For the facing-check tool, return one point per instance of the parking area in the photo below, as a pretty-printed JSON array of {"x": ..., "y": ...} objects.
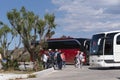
[{"x": 86, "y": 73}]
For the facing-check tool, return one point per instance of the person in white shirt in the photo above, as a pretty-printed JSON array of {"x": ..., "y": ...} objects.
[
  {"x": 79, "y": 58},
  {"x": 44, "y": 59}
]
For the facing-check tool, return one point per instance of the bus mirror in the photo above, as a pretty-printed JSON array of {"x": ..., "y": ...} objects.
[{"x": 99, "y": 41}]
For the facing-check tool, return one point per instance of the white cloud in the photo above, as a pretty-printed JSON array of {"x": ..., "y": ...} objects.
[
  {"x": 89, "y": 15},
  {"x": 111, "y": 2}
]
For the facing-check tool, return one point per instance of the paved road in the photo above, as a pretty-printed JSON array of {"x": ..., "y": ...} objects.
[{"x": 72, "y": 73}]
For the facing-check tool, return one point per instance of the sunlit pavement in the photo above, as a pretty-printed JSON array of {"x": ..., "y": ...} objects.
[
  {"x": 72, "y": 73},
  {"x": 84, "y": 73}
]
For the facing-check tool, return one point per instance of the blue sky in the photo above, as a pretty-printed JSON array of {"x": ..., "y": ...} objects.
[{"x": 75, "y": 18}]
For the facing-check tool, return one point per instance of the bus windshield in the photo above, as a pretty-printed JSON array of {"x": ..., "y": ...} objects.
[{"x": 95, "y": 48}]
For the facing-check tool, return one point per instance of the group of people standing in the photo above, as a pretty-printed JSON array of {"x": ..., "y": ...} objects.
[{"x": 55, "y": 59}]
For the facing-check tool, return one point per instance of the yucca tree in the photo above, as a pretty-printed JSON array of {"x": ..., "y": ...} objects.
[
  {"x": 50, "y": 24},
  {"x": 46, "y": 28},
  {"x": 24, "y": 23},
  {"x": 4, "y": 33},
  {"x": 5, "y": 41},
  {"x": 30, "y": 27}
]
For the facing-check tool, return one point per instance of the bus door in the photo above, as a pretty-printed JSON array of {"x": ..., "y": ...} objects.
[{"x": 116, "y": 47}]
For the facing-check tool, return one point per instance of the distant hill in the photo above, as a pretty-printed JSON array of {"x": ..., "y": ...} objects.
[{"x": 20, "y": 54}]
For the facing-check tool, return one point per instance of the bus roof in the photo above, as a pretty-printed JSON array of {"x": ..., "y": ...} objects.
[
  {"x": 109, "y": 32},
  {"x": 66, "y": 39}
]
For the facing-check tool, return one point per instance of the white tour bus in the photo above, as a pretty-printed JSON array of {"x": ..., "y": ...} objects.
[{"x": 105, "y": 49}]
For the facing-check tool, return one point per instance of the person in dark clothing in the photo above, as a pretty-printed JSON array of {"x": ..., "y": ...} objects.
[
  {"x": 59, "y": 60},
  {"x": 51, "y": 58}
]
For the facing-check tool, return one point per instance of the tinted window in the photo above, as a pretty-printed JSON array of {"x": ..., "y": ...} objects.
[
  {"x": 87, "y": 45},
  {"x": 109, "y": 44},
  {"x": 118, "y": 40},
  {"x": 63, "y": 44},
  {"x": 96, "y": 49}
]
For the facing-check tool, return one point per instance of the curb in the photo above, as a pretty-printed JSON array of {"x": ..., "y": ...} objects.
[
  {"x": 43, "y": 72},
  {"x": 13, "y": 76}
]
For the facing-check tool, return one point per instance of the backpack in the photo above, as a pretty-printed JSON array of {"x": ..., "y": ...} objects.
[{"x": 59, "y": 57}]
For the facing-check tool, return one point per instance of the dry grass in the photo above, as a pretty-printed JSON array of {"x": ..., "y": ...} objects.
[{"x": 31, "y": 76}]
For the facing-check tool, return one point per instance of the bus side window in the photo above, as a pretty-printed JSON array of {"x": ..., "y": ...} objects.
[
  {"x": 118, "y": 40},
  {"x": 107, "y": 46}
]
